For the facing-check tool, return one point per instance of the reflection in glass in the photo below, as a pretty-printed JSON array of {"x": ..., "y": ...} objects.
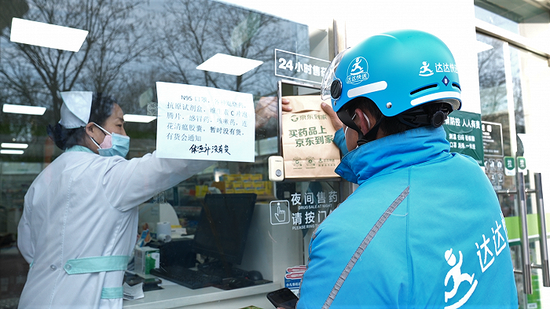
[
  {"x": 129, "y": 47},
  {"x": 503, "y": 74}
]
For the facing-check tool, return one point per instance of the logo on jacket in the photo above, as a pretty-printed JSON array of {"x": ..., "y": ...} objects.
[
  {"x": 358, "y": 71},
  {"x": 490, "y": 251},
  {"x": 458, "y": 277}
]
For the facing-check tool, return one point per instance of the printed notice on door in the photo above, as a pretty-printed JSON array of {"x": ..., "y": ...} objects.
[{"x": 204, "y": 123}]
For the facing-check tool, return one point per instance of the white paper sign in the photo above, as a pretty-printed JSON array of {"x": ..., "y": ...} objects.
[{"x": 204, "y": 123}]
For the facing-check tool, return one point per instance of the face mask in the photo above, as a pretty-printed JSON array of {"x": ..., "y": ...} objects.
[
  {"x": 120, "y": 146},
  {"x": 107, "y": 141},
  {"x": 113, "y": 144}
]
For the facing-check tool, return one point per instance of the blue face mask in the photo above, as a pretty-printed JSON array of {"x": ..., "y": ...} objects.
[
  {"x": 120, "y": 146},
  {"x": 113, "y": 145}
]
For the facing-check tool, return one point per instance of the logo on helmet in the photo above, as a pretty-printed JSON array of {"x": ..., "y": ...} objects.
[
  {"x": 425, "y": 69},
  {"x": 358, "y": 71}
]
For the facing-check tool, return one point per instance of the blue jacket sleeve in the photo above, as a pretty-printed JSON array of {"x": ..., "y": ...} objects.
[{"x": 340, "y": 141}]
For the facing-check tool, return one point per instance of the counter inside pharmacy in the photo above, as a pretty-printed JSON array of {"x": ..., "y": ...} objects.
[{"x": 176, "y": 296}]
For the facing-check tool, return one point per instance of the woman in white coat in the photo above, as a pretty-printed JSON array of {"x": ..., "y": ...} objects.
[{"x": 79, "y": 223}]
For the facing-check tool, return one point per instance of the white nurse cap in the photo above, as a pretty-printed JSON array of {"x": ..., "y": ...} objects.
[{"x": 76, "y": 108}]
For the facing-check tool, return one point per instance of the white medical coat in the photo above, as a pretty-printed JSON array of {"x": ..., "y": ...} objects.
[{"x": 85, "y": 205}]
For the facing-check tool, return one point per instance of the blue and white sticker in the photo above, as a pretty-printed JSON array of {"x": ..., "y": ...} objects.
[{"x": 358, "y": 71}]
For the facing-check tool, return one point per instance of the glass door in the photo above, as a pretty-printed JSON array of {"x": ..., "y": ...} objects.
[
  {"x": 529, "y": 250},
  {"x": 513, "y": 100}
]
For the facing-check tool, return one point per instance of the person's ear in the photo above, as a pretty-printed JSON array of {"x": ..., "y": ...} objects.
[{"x": 90, "y": 128}]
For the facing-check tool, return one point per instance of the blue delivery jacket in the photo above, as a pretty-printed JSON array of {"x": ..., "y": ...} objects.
[{"x": 423, "y": 230}]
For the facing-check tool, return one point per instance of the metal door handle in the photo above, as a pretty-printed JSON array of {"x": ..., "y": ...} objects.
[
  {"x": 542, "y": 232},
  {"x": 526, "y": 260}
]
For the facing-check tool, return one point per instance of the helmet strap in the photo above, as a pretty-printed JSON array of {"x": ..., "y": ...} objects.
[
  {"x": 414, "y": 119},
  {"x": 346, "y": 119},
  {"x": 419, "y": 117},
  {"x": 371, "y": 135},
  {"x": 363, "y": 138}
]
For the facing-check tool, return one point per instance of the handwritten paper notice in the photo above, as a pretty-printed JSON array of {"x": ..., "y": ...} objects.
[{"x": 204, "y": 123}]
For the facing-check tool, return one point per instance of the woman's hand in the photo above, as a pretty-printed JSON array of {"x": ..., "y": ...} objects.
[{"x": 267, "y": 109}]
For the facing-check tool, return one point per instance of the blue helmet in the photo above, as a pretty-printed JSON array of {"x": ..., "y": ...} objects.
[{"x": 397, "y": 70}]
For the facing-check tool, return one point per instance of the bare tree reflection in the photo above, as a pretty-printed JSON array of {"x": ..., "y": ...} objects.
[
  {"x": 493, "y": 87},
  {"x": 133, "y": 44},
  {"x": 34, "y": 75},
  {"x": 492, "y": 77},
  {"x": 195, "y": 30}
]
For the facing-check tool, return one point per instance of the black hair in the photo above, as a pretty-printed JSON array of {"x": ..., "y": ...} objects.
[
  {"x": 102, "y": 108},
  {"x": 430, "y": 114}
]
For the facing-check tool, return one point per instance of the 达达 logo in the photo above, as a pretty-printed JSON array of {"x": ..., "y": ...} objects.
[
  {"x": 358, "y": 71},
  {"x": 425, "y": 69},
  {"x": 457, "y": 276}
]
